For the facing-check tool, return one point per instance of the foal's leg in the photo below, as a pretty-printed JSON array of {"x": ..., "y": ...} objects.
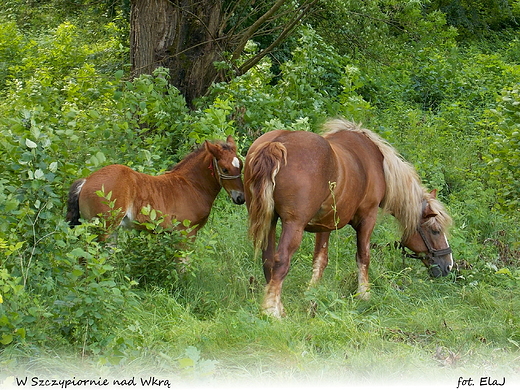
[
  {"x": 183, "y": 263},
  {"x": 277, "y": 269},
  {"x": 321, "y": 256},
  {"x": 364, "y": 231}
]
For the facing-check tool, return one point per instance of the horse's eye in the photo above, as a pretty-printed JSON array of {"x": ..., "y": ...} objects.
[
  {"x": 435, "y": 232},
  {"x": 224, "y": 170}
]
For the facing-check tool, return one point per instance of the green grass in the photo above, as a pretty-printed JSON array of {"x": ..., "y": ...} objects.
[{"x": 414, "y": 327}]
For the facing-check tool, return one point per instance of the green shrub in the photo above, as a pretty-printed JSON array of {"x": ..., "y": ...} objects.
[
  {"x": 504, "y": 148},
  {"x": 157, "y": 256}
]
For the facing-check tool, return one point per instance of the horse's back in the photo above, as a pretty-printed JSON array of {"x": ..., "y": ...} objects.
[
  {"x": 119, "y": 187},
  {"x": 357, "y": 154}
]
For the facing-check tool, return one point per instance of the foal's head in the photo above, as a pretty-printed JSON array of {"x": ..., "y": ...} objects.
[
  {"x": 227, "y": 168},
  {"x": 429, "y": 239}
]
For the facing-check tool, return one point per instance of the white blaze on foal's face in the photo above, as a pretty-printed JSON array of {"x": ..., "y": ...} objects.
[{"x": 236, "y": 162}]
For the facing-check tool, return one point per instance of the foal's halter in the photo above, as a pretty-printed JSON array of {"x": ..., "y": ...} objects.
[{"x": 222, "y": 175}]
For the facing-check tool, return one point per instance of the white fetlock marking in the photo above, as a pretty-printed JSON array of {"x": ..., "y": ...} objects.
[{"x": 272, "y": 305}]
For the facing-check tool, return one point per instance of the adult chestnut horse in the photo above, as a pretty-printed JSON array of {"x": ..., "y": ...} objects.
[
  {"x": 321, "y": 183},
  {"x": 186, "y": 192}
]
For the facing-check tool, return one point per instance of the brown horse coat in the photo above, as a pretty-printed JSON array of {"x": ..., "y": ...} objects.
[
  {"x": 186, "y": 192},
  {"x": 322, "y": 183}
]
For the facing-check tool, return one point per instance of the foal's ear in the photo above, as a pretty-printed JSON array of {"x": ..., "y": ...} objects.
[
  {"x": 433, "y": 194},
  {"x": 230, "y": 140},
  {"x": 212, "y": 148}
]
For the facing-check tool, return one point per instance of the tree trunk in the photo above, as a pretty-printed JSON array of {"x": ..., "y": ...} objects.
[
  {"x": 188, "y": 36},
  {"x": 181, "y": 35}
]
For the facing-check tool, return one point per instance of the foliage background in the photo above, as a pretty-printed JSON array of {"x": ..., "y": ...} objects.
[{"x": 438, "y": 79}]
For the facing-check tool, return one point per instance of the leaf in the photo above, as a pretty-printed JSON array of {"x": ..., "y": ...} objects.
[
  {"x": 20, "y": 332},
  {"x": 145, "y": 210},
  {"x": 77, "y": 272},
  {"x": 186, "y": 362},
  {"x": 100, "y": 157},
  {"x": 53, "y": 167},
  {"x": 79, "y": 252},
  {"x": 193, "y": 353},
  {"x": 38, "y": 174},
  {"x": 30, "y": 144},
  {"x": 6, "y": 339}
]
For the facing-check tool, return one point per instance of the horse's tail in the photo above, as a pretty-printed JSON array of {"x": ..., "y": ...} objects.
[
  {"x": 261, "y": 172},
  {"x": 73, "y": 203}
]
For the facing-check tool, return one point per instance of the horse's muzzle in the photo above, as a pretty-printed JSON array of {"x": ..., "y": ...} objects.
[
  {"x": 238, "y": 197},
  {"x": 438, "y": 269}
]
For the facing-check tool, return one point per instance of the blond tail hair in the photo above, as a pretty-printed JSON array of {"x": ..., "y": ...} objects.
[{"x": 261, "y": 172}]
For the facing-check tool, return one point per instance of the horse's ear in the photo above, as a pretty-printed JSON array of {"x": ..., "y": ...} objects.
[
  {"x": 428, "y": 212},
  {"x": 230, "y": 140},
  {"x": 212, "y": 148},
  {"x": 433, "y": 194}
]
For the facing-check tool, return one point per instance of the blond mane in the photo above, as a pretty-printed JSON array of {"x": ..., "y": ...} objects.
[{"x": 405, "y": 194}]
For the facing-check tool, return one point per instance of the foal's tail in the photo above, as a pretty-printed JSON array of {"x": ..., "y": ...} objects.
[
  {"x": 73, "y": 203},
  {"x": 261, "y": 172}
]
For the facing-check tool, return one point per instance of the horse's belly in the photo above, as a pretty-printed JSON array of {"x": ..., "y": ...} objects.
[{"x": 325, "y": 221}]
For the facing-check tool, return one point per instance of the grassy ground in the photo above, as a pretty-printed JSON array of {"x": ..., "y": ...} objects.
[{"x": 206, "y": 328}]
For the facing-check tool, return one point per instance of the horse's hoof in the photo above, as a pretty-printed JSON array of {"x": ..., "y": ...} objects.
[
  {"x": 313, "y": 309},
  {"x": 363, "y": 295}
]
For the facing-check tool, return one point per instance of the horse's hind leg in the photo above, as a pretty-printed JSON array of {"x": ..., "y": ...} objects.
[
  {"x": 321, "y": 256},
  {"x": 319, "y": 263},
  {"x": 278, "y": 267},
  {"x": 269, "y": 252}
]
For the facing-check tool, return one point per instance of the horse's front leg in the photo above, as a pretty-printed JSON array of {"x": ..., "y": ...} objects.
[
  {"x": 364, "y": 231},
  {"x": 278, "y": 267}
]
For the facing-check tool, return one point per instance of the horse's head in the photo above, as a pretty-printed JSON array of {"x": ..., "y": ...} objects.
[
  {"x": 429, "y": 240},
  {"x": 227, "y": 168}
]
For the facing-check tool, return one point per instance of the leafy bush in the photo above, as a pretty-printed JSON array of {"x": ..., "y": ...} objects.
[
  {"x": 156, "y": 256},
  {"x": 16, "y": 310},
  {"x": 90, "y": 294},
  {"x": 58, "y": 103},
  {"x": 504, "y": 148}
]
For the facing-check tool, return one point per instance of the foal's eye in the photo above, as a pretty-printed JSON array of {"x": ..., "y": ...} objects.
[
  {"x": 435, "y": 232},
  {"x": 224, "y": 170}
]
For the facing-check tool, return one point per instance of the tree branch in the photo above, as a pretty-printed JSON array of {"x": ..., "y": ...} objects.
[
  {"x": 253, "y": 28},
  {"x": 303, "y": 11}
]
